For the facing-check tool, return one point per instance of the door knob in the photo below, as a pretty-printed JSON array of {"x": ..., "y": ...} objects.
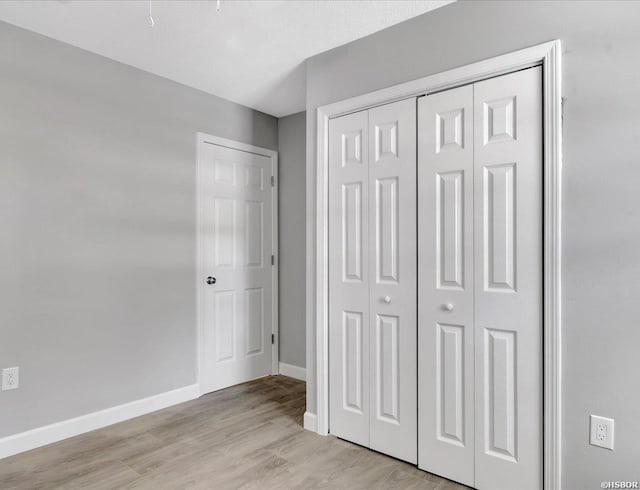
[
  {"x": 387, "y": 299},
  {"x": 448, "y": 306},
  {"x": 211, "y": 280}
]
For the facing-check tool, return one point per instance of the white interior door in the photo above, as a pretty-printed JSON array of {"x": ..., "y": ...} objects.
[
  {"x": 445, "y": 332},
  {"x": 236, "y": 230},
  {"x": 508, "y": 280},
  {"x": 480, "y": 282},
  {"x": 372, "y": 278}
]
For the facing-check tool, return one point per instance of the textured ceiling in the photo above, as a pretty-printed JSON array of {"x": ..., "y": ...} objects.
[{"x": 250, "y": 52}]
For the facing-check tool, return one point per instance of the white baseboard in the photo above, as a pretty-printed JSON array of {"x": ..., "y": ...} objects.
[
  {"x": 48, "y": 434},
  {"x": 311, "y": 421},
  {"x": 292, "y": 371}
]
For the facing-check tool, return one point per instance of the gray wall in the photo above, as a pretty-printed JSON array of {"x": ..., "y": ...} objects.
[
  {"x": 601, "y": 208},
  {"x": 291, "y": 241},
  {"x": 97, "y": 212}
]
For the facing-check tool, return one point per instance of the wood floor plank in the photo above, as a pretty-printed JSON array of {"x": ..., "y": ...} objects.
[{"x": 247, "y": 437}]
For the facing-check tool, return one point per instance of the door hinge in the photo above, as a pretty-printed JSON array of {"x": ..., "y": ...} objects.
[
  {"x": 273, "y": 181},
  {"x": 273, "y": 338},
  {"x": 273, "y": 260}
]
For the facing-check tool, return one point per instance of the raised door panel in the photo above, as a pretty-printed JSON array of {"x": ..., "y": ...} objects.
[
  {"x": 351, "y": 145},
  {"x": 388, "y": 368},
  {"x": 499, "y": 191},
  {"x": 254, "y": 317},
  {"x": 226, "y": 325},
  {"x": 224, "y": 172},
  {"x": 500, "y": 393},
  {"x": 349, "y": 328},
  {"x": 386, "y": 226},
  {"x": 508, "y": 281},
  {"x": 445, "y": 284},
  {"x": 225, "y": 230},
  {"x": 352, "y": 231},
  {"x": 450, "y": 382},
  {"x": 386, "y": 140},
  {"x": 449, "y": 130},
  {"x": 352, "y": 352},
  {"x": 393, "y": 281},
  {"x": 254, "y": 177},
  {"x": 498, "y": 120},
  {"x": 253, "y": 233},
  {"x": 449, "y": 230}
]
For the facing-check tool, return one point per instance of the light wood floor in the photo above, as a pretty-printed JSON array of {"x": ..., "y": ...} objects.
[{"x": 248, "y": 436}]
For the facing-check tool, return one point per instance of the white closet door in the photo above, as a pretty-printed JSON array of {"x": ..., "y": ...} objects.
[
  {"x": 393, "y": 280},
  {"x": 372, "y": 279},
  {"x": 480, "y": 282},
  {"x": 508, "y": 281},
  {"x": 445, "y": 324},
  {"x": 349, "y": 278}
]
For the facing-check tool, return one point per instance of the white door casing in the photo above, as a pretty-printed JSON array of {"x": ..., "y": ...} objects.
[
  {"x": 236, "y": 240},
  {"x": 446, "y": 285},
  {"x": 508, "y": 280},
  {"x": 372, "y": 274}
]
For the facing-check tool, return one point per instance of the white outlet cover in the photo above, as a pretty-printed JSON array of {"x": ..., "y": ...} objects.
[
  {"x": 10, "y": 378},
  {"x": 601, "y": 432}
]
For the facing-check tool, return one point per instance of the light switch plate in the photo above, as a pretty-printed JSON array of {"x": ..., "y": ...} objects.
[
  {"x": 601, "y": 432},
  {"x": 10, "y": 378}
]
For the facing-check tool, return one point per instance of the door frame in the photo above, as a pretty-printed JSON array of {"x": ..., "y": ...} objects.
[
  {"x": 204, "y": 139},
  {"x": 548, "y": 55}
]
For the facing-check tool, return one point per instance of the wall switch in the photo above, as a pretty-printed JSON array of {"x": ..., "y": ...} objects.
[
  {"x": 10, "y": 378},
  {"x": 601, "y": 432}
]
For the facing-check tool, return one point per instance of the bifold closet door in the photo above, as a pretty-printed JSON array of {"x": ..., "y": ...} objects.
[
  {"x": 349, "y": 277},
  {"x": 508, "y": 281},
  {"x": 372, "y": 279},
  {"x": 393, "y": 279},
  {"x": 480, "y": 282},
  {"x": 445, "y": 322}
]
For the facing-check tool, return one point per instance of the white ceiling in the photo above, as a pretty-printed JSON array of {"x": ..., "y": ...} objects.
[{"x": 250, "y": 52}]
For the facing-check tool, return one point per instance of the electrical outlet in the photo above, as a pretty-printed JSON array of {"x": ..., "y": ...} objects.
[
  {"x": 601, "y": 432},
  {"x": 10, "y": 378}
]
